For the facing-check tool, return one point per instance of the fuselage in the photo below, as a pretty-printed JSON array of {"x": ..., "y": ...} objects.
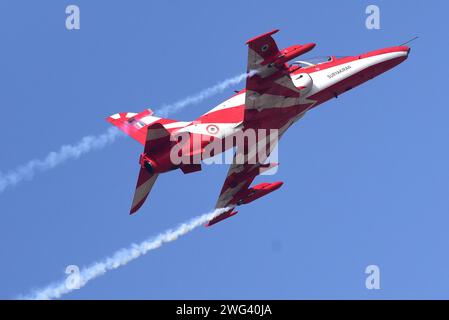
[
  {"x": 276, "y": 95},
  {"x": 317, "y": 83},
  {"x": 311, "y": 85}
]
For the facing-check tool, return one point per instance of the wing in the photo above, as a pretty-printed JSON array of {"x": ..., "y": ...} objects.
[
  {"x": 271, "y": 87},
  {"x": 271, "y": 102},
  {"x": 236, "y": 189}
]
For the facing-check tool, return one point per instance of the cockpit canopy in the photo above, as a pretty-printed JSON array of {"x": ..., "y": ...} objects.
[{"x": 313, "y": 61}]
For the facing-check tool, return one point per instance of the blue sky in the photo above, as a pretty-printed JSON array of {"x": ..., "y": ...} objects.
[{"x": 366, "y": 175}]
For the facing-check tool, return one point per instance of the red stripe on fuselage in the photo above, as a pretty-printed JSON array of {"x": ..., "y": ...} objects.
[
  {"x": 227, "y": 115},
  {"x": 355, "y": 80}
]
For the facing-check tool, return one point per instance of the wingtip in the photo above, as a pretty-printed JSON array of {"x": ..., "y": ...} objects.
[
  {"x": 262, "y": 35},
  {"x": 225, "y": 215}
]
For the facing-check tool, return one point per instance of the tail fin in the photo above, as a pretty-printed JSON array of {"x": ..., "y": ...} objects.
[{"x": 135, "y": 124}]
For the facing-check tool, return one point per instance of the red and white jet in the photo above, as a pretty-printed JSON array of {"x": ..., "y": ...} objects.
[{"x": 277, "y": 94}]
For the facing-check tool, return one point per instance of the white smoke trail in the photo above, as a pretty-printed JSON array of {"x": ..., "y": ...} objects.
[
  {"x": 165, "y": 110},
  {"x": 55, "y": 158},
  {"x": 90, "y": 143},
  {"x": 121, "y": 258}
]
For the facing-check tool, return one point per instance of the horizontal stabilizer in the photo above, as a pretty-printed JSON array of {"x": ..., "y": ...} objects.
[
  {"x": 144, "y": 185},
  {"x": 157, "y": 137},
  {"x": 189, "y": 168}
]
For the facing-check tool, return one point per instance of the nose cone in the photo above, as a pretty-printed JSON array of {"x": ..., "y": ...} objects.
[
  {"x": 408, "y": 49},
  {"x": 389, "y": 53},
  {"x": 382, "y": 60},
  {"x": 403, "y": 51}
]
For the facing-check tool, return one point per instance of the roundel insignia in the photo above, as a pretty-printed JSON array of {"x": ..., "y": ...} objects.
[
  {"x": 264, "y": 47},
  {"x": 212, "y": 129}
]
